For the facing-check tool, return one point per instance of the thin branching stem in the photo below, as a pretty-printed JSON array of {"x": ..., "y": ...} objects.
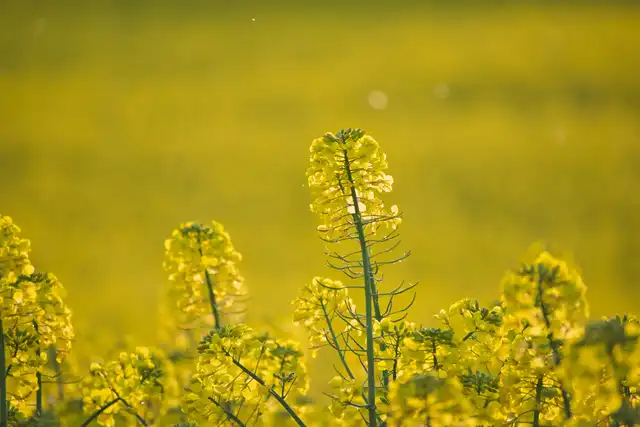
[
  {"x": 622, "y": 391},
  {"x": 271, "y": 391},
  {"x": 554, "y": 344},
  {"x": 58, "y": 373},
  {"x": 335, "y": 340},
  {"x": 38, "y": 376},
  {"x": 99, "y": 411},
  {"x": 212, "y": 300},
  {"x": 39, "y": 390},
  {"x": 538, "y": 402},
  {"x": 128, "y": 405},
  {"x": 4, "y": 415},
  {"x": 212, "y": 295},
  {"x": 228, "y": 413}
]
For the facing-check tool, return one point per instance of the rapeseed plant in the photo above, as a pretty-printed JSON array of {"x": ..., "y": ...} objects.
[
  {"x": 34, "y": 323},
  {"x": 533, "y": 357},
  {"x": 134, "y": 384},
  {"x": 347, "y": 177},
  {"x": 202, "y": 266},
  {"x": 204, "y": 290}
]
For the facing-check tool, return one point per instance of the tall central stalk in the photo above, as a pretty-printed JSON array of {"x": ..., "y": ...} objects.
[{"x": 369, "y": 294}]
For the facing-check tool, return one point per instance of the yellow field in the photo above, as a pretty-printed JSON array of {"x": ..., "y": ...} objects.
[{"x": 504, "y": 124}]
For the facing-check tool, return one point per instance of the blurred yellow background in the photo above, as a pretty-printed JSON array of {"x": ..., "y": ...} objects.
[{"x": 504, "y": 123}]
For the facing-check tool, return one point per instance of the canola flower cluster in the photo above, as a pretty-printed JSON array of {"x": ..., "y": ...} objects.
[
  {"x": 244, "y": 375},
  {"x": 135, "y": 384},
  {"x": 533, "y": 357},
  {"x": 347, "y": 175},
  {"x": 35, "y": 324},
  {"x": 201, "y": 264}
]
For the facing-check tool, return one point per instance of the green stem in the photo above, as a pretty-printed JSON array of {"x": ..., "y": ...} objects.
[
  {"x": 212, "y": 300},
  {"x": 99, "y": 411},
  {"x": 38, "y": 376},
  {"x": 369, "y": 298},
  {"x": 434, "y": 349},
  {"x": 4, "y": 416},
  {"x": 566, "y": 400},
  {"x": 58, "y": 370},
  {"x": 272, "y": 392},
  {"x": 140, "y": 419},
  {"x": 39, "y": 391},
  {"x": 335, "y": 341},
  {"x": 622, "y": 391},
  {"x": 536, "y": 410},
  {"x": 396, "y": 358},
  {"x": 340, "y": 350},
  {"x": 212, "y": 295},
  {"x": 128, "y": 405},
  {"x": 233, "y": 417}
]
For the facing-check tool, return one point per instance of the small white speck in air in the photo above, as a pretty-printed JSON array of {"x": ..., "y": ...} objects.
[
  {"x": 441, "y": 91},
  {"x": 560, "y": 136},
  {"x": 40, "y": 25},
  {"x": 253, "y": 19},
  {"x": 378, "y": 99}
]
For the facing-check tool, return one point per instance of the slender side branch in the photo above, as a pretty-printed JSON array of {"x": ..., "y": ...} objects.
[
  {"x": 536, "y": 409},
  {"x": 58, "y": 373},
  {"x": 336, "y": 345},
  {"x": 135, "y": 414},
  {"x": 39, "y": 390},
  {"x": 566, "y": 400},
  {"x": 4, "y": 415},
  {"x": 228, "y": 413},
  {"x": 212, "y": 295},
  {"x": 38, "y": 376},
  {"x": 212, "y": 300},
  {"x": 99, "y": 411},
  {"x": 272, "y": 392}
]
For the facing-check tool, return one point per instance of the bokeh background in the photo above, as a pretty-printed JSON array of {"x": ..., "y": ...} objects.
[{"x": 505, "y": 122}]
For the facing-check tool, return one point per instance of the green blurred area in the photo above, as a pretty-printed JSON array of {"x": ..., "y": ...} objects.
[{"x": 505, "y": 122}]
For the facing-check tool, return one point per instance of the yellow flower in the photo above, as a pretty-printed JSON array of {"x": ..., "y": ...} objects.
[
  {"x": 197, "y": 258},
  {"x": 347, "y": 174},
  {"x": 143, "y": 381},
  {"x": 238, "y": 368}
]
